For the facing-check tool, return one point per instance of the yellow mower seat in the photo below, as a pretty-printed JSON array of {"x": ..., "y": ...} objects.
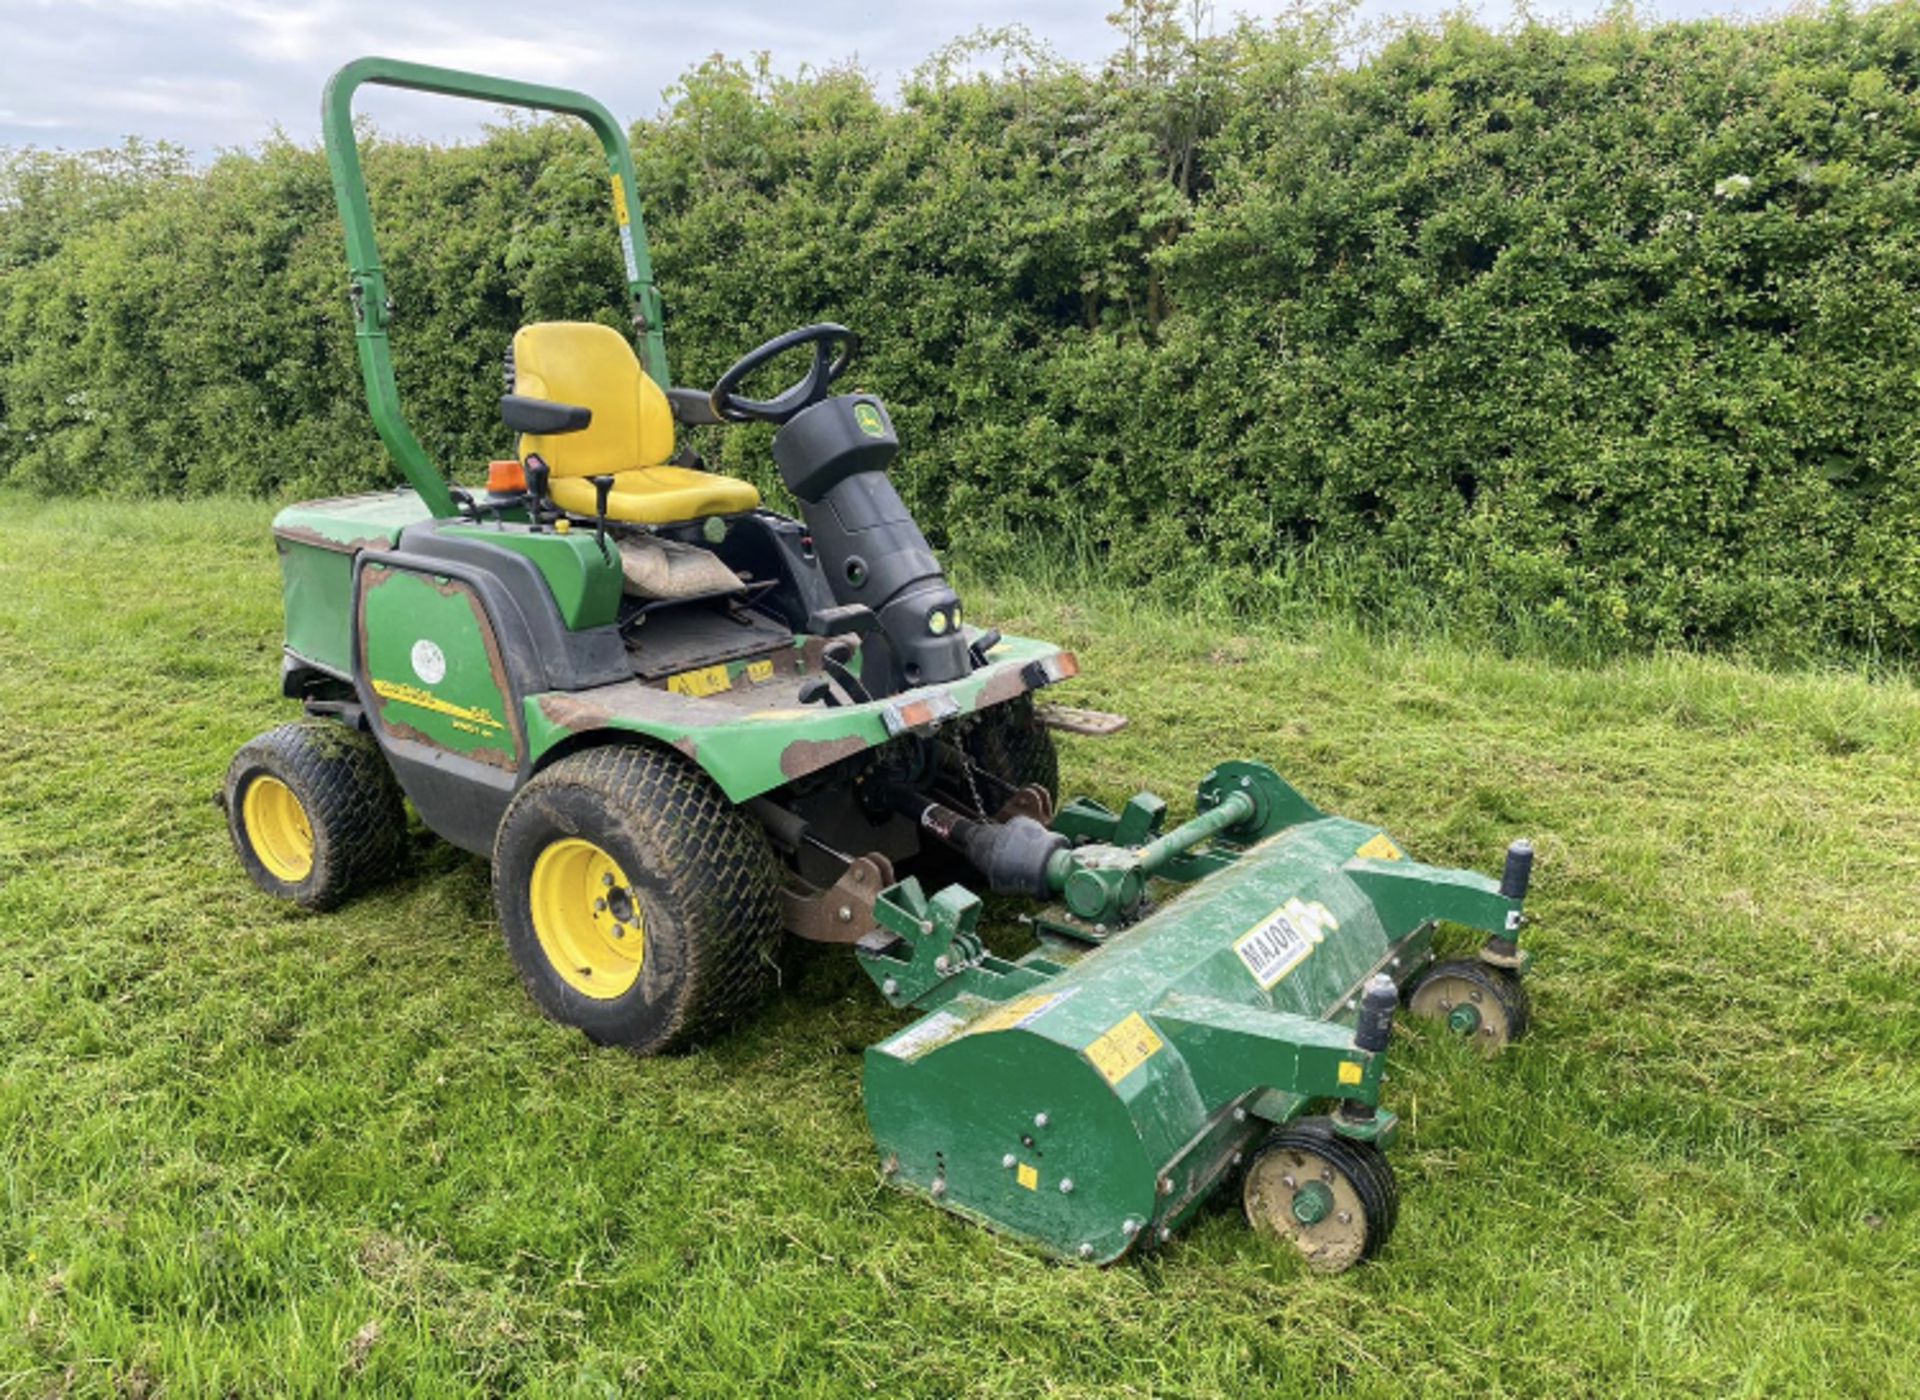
[{"x": 629, "y": 439}]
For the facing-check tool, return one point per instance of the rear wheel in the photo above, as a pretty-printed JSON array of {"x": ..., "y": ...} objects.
[
  {"x": 638, "y": 904},
  {"x": 1332, "y": 1198},
  {"x": 314, "y": 812}
]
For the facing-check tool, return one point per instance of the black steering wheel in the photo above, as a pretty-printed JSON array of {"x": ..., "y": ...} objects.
[{"x": 804, "y": 393}]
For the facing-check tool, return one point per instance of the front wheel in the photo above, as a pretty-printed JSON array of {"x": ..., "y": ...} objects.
[
  {"x": 638, "y": 904},
  {"x": 1010, "y": 743},
  {"x": 1332, "y": 1198}
]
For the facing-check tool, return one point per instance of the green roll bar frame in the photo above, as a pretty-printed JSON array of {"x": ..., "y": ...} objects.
[{"x": 372, "y": 309}]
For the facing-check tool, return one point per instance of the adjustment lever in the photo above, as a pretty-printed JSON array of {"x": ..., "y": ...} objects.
[
  {"x": 982, "y": 644},
  {"x": 537, "y": 470},
  {"x": 819, "y": 691},
  {"x": 602, "y": 488},
  {"x": 834, "y": 661}
]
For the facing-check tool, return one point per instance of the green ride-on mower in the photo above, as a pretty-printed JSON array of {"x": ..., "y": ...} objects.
[{"x": 683, "y": 726}]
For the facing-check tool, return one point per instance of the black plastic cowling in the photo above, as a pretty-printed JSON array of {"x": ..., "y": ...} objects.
[{"x": 834, "y": 456}]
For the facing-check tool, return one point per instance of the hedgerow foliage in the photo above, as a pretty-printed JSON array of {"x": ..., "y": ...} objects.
[{"x": 1611, "y": 329}]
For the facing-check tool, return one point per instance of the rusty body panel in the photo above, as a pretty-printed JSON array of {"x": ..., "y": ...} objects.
[
  {"x": 752, "y": 739},
  {"x": 434, "y": 667}
]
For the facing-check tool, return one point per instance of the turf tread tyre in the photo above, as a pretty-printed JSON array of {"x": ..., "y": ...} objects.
[
  {"x": 352, "y": 804},
  {"x": 705, "y": 875}
]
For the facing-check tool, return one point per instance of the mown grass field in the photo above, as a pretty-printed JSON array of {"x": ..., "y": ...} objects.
[{"x": 247, "y": 1150}]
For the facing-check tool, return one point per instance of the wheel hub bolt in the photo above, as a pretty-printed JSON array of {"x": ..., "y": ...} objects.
[{"x": 1312, "y": 1203}]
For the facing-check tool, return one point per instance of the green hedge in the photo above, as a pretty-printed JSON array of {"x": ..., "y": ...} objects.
[{"x": 1609, "y": 331}]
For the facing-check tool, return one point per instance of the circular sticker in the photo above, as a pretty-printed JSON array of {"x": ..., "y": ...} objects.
[{"x": 429, "y": 662}]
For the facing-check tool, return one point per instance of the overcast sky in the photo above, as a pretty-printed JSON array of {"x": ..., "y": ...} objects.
[{"x": 214, "y": 73}]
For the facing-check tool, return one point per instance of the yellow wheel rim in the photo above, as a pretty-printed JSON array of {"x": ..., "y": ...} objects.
[
  {"x": 277, "y": 827},
  {"x": 588, "y": 918}
]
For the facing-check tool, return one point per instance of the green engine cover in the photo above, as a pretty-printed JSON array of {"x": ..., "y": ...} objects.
[
  {"x": 317, "y": 541},
  {"x": 435, "y": 669}
]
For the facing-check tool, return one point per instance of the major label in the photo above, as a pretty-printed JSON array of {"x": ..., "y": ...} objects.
[{"x": 1284, "y": 939}]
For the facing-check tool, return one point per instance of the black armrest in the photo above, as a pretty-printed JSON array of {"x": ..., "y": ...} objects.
[
  {"x": 542, "y": 417},
  {"x": 694, "y": 407}
]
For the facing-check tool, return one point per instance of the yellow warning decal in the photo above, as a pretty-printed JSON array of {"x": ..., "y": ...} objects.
[
  {"x": 759, "y": 672},
  {"x": 620, "y": 200},
  {"x": 1011, "y": 1013},
  {"x": 1351, "y": 1072},
  {"x": 1124, "y": 1049},
  {"x": 1380, "y": 847},
  {"x": 708, "y": 680},
  {"x": 923, "y": 1035},
  {"x": 1019, "y": 1013},
  {"x": 1027, "y": 1177}
]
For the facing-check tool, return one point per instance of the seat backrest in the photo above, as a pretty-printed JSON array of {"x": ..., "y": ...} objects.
[{"x": 593, "y": 366}]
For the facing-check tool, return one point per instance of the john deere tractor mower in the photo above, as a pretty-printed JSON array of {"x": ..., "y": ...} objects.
[{"x": 683, "y": 726}]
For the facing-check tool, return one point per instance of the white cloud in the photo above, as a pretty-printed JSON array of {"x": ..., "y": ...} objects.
[
  {"x": 179, "y": 97},
  {"x": 212, "y": 73}
]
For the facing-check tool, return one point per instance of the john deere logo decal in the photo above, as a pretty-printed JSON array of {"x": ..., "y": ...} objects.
[
  {"x": 429, "y": 662},
  {"x": 868, "y": 417}
]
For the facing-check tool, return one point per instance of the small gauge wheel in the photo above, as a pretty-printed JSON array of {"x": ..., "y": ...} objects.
[
  {"x": 1477, "y": 1002},
  {"x": 1333, "y": 1198}
]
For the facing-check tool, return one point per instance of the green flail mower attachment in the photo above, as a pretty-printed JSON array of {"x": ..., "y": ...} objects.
[{"x": 1091, "y": 1096}]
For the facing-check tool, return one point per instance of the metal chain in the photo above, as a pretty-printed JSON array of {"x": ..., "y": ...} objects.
[{"x": 973, "y": 788}]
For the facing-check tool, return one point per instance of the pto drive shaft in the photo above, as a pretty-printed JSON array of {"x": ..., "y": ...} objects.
[{"x": 1098, "y": 882}]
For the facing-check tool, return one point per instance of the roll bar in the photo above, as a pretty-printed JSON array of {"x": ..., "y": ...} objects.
[{"x": 372, "y": 310}]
